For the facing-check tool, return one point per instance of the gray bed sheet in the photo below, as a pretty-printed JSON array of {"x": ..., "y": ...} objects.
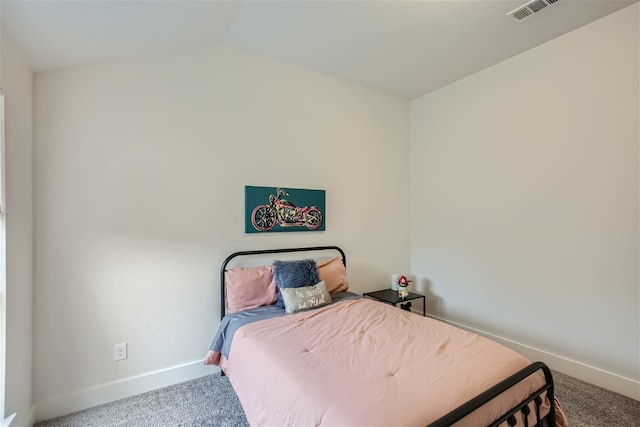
[{"x": 232, "y": 322}]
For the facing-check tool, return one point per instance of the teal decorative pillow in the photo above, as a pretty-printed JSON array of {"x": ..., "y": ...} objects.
[{"x": 305, "y": 298}]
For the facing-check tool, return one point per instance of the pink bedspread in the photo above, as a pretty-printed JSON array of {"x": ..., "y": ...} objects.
[{"x": 364, "y": 363}]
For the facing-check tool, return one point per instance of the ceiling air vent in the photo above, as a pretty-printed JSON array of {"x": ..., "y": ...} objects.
[{"x": 530, "y": 8}]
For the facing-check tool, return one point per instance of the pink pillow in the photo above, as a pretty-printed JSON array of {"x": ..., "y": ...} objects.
[
  {"x": 249, "y": 288},
  {"x": 333, "y": 273}
]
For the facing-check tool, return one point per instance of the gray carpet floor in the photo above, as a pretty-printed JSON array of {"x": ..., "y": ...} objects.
[{"x": 210, "y": 401}]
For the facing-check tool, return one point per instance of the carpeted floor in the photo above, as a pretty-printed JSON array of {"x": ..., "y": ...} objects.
[
  {"x": 210, "y": 401},
  {"x": 206, "y": 401},
  {"x": 586, "y": 405}
]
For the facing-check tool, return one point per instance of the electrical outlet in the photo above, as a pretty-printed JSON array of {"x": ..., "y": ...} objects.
[{"x": 120, "y": 351}]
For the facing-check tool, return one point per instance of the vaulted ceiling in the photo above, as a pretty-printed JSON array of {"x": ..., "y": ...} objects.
[{"x": 405, "y": 48}]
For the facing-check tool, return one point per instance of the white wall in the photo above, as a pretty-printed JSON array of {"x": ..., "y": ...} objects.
[
  {"x": 140, "y": 174},
  {"x": 524, "y": 200},
  {"x": 16, "y": 79}
]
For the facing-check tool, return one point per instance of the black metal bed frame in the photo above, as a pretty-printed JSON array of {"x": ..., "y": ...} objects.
[{"x": 524, "y": 408}]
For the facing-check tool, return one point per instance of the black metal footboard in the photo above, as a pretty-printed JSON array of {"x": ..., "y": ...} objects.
[{"x": 524, "y": 408}]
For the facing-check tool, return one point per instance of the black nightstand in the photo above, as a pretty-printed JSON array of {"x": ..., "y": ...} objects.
[{"x": 391, "y": 297}]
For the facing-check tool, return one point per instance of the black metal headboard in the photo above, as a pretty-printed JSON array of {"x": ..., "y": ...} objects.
[{"x": 223, "y": 268}]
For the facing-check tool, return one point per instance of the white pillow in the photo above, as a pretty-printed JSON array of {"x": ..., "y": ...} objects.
[{"x": 305, "y": 298}]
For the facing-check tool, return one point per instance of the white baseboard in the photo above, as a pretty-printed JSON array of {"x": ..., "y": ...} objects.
[
  {"x": 17, "y": 420},
  {"x": 76, "y": 401},
  {"x": 6, "y": 422},
  {"x": 596, "y": 376}
]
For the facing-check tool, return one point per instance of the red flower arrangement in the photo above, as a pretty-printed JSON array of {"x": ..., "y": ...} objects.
[{"x": 403, "y": 281}]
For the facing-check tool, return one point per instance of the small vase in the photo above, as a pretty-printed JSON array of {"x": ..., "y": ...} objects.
[{"x": 403, "y": 291}]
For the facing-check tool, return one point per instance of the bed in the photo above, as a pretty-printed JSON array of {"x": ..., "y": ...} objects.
[{"x": 300, "y": 349}]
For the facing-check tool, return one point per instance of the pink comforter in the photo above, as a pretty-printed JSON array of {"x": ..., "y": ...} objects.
[{"x": 364, "y": 363}]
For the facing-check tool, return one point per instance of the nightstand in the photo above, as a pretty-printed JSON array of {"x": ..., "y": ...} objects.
[{"x": 391, "y": 297}]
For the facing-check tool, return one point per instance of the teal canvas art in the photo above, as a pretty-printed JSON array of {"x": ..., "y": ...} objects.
[{"x": 269, "y": 209}]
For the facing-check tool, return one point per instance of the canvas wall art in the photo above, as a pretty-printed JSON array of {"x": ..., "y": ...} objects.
[{"x": 269, "y": 209}]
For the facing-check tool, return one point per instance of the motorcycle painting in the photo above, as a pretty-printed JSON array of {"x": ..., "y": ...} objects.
[{"x": 283, "y": 209}]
